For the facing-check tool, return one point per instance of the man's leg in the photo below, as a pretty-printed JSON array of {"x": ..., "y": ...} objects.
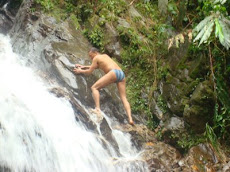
[
  {"x": 122, "y": 91},
  {"x": 107, "y": 79}
]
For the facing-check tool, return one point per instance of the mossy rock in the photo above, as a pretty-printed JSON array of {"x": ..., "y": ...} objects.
[
  {"x": 203, "y": 94},
  {"x": 200, "y": 108},
  {"x": 196, "y": 116},
  {"x": 198, "y": 67},
  {"x": 191, "y": 87},
  {"x": 174, "y": 94}
]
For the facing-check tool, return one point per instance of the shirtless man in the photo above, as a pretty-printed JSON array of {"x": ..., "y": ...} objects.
[{"x": 113, "y": 73}]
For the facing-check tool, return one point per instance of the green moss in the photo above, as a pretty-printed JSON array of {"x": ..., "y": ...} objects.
[
  {"x": 163, "y": 72},
  {"x": 74, "y": 19},
  {"x": 162, "y": 104}
]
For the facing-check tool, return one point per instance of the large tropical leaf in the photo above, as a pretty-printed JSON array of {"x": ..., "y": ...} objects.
[
  {"x": 201, "y": 25},
  {"x": 226, "y": 34},
  {"x": 220, "y": 1},
  {"x": 205, "y": 28},
  {"x": 219, "y": 30},
  {"x": 208, "y": 30}
]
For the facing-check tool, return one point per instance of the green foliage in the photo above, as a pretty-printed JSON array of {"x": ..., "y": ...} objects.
[
  {"x": 75, "y": 21},
  {"x": 84, "y": 11},
  {"x": 96, "y": 37},
  {"x": 222, "y": 110},
  {"x": 46, "y": 4},
  {"x": 162, "y": 104},
  {"x": 138, "y": 50},
  {"x": 215, "y": 15},
  {"x": 163, "y": 71},
  {"x": 148, "y": 9},
  {"x": 69, "y": 8},
  {"x": 116, "y": 7},
  {"x": 187, "y": 140},
  {"x": 211, "y": 136}
]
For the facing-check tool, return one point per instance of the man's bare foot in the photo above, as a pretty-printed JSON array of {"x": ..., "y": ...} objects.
[
  {"x": 131, "y": 122},
  {"x": 98, "y": 113}
]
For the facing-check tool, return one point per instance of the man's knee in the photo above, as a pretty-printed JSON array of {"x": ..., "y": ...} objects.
[{"x": 93, "y": 88}]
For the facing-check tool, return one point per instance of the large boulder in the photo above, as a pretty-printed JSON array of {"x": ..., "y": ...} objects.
[{"x": 200, "y": 108}]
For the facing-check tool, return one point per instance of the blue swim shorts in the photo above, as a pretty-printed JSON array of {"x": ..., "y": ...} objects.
[{"x": 119, "y": 74}]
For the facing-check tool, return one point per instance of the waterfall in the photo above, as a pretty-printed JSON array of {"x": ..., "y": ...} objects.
[{"x": 39, "y": 133}]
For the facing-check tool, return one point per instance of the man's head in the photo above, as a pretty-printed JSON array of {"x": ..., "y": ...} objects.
[{"x": 93, "y": 52}]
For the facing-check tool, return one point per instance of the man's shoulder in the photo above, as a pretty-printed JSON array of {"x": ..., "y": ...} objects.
[{"x": 101, "y": 57}]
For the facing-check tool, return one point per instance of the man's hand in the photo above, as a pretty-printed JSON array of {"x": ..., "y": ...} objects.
[
  {"x": 78, "y": 66},
  {"x": 77, "y": 70}
]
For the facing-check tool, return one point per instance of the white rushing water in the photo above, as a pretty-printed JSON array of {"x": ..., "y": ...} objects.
[{"x": 38, "y": 131}]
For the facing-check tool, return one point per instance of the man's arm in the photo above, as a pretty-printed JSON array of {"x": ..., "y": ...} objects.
[
  {"x": 82, "y": 66},
  {"x": 87, "y": 69}
]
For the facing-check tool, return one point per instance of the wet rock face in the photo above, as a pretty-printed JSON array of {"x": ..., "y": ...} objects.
[
  {"x": 11, "y": 6},
  {"x": 8, "y": 10},
  {"x": 5, "y": 22},
  {"x": 4, "y": 169},
  {"x": 161, "y": 157},
  {"x": 113, "y": 46},
  {"x": 140, "y": 134},
  {"x": 48, "y": 47},
  {"x": 158, "y": 155}
]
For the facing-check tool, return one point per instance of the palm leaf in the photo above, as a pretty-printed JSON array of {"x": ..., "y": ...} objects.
[
  {"x": 220, "y": 1},
  {"x": 225, "y": 20},
  {"x": 204, "y": 22},
  {"x": 226, "y": 35},
  {"x": 208, "y": 30},
  {"x": 218, "y": 30},
  {"x": 203, "y": 32}
]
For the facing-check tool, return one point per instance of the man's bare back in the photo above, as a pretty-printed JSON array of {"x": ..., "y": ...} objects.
[{"x": 105, "y": 63}]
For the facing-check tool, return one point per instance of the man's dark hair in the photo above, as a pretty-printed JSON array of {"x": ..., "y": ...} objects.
[{"x": 94, "y": 50}]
